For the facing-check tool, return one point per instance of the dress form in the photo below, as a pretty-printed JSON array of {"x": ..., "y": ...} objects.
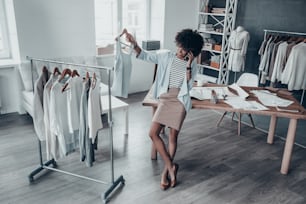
[{"x": 238, "y": 43}]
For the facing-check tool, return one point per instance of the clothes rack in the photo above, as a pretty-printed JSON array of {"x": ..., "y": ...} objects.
[
  {"x": 288, "y": 33},
  {"x": 46, "y": 165}
]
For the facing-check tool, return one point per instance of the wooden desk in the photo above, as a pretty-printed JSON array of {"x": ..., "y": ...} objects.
[{"x": 294, "y": 117}]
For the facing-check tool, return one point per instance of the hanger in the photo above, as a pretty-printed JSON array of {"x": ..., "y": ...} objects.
[
  {"x": 94, "y": 80},
  {"x": 56, "y": 70},
  {"x": 44, "y": 69},
  {"x": 64, "y": 73},
  {"x": 75, "y": 73},
  {"x": 124, "y": 31}
]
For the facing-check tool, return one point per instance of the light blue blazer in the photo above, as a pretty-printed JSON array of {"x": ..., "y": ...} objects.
[{"x": 161, "y": 83}]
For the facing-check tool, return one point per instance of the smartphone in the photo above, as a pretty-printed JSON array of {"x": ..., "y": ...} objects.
[{"x": 186, "y": 58}]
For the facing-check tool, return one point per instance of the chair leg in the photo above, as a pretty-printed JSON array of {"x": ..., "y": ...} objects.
[
  {"x": 239, "y": 123},
  {"x": 252, "y": 121},
  {"x": 220, "y": 120}
]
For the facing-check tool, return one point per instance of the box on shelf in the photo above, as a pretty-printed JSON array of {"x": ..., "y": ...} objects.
[
  {"x": 217, "y": 47},
  {"x": 214, "y": 64},
  {"x": 208, "y": 46}
]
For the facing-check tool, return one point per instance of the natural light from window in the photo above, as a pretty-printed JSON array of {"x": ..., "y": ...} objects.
[{"x": 111, "y": 16}]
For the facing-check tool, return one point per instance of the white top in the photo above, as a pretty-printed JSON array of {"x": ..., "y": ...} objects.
[
  {"x": 294, "y": 73},
  {"x": 94, "y": 110},
  {"x": 279, "y": 62},
  {"x": 74, "y": 89}
]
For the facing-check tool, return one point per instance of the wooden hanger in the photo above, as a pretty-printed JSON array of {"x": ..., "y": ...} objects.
[
  {"x": 44, "y": 69},
  {"x": 94, "y": 80},
  {"x": 56, "y": 70},
  {"x": 65, "y": 73},
  {"x": 122, "y": 33},
  {"x": 75, "y": 73}
]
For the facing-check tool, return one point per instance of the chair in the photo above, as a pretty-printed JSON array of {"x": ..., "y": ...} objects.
[{"x": 246, "y": 79}]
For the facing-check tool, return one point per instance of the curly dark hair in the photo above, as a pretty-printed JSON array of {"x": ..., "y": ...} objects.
[{"x": 190, "y": 40}]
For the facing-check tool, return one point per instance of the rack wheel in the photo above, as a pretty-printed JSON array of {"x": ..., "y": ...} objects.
[
  {"x": 31, "y": 179},
  {"x": 54, "y": 164}
]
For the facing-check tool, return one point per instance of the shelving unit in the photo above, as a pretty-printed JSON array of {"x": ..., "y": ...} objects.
[{"x": 215, "y": 23}]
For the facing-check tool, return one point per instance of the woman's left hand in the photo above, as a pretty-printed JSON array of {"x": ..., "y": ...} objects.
[{"x": 190, "y": 59}]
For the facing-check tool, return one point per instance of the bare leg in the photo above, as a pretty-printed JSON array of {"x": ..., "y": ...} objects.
[
  {"x": 161, "y": 148},
  {"x": 172, "y": 146}
]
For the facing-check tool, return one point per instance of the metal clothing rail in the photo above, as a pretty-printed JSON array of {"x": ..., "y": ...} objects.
[
  {"x": 46, "y": 165},
  {"x": 287, "y": 33}
]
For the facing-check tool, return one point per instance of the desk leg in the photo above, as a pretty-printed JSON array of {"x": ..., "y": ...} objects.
[
  {"x": 271, "y": 132},
  {"x": 288, "y": 146},
  {"x": 126, "y": 121},
  {"x": 153, "y": 149}
]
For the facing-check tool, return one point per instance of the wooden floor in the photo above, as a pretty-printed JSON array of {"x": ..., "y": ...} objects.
[{"x": 216, "y": 165}]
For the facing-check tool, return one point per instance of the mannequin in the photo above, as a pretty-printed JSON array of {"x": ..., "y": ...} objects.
[{"x": 238, "y": 44}]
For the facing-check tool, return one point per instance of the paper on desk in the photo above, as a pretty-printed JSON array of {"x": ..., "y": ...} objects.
[
  {"x": 202, "y": 93},
  {"x": 240, "y": 103},
  {"x": 239, "y": 90},
  {"x": 270, "y": 99}
]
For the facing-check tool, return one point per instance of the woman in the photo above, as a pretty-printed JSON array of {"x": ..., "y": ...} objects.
[{"x": 174, "y": 79}]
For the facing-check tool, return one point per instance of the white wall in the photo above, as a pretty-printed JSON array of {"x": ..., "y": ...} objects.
[
  {"x": 55, "y": 28},
  {"x": 179, "y": 14}
]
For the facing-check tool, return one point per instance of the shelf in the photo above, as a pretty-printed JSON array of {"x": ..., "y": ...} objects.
[
  {"x": 208, "y": 67},
  {"x": 212, "y": 14},
  {"x": 210, "y": 32},
  {"x": 210, "y": 50}
]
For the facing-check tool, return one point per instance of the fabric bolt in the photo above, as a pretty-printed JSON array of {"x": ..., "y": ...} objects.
[
  {"x": 161, "y": 83},
  {"x": 238, "y": 44},
  {"x": 122, "y": 72},
  {"x": 170, "y": 111},
  {"x": 294, "y": 73},
  {"x": 94, "y": 109},
  {"x": 38, "y": 111}
]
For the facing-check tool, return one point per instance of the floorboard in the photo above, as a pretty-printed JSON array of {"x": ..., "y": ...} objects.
[{"x": 216, "y": 165}]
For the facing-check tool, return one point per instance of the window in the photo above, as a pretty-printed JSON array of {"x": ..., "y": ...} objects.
[
  {"x": 111, "y": 16},
  {"x": 4, "y": 40}
]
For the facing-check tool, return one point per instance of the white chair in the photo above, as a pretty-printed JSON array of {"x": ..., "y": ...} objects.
[{"x": 246, "y": 79}]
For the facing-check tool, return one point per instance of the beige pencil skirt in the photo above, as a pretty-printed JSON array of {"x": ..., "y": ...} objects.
[{"x": 170, "y": 111}]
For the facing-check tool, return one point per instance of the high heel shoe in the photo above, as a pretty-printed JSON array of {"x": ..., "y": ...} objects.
[
  {"x": 164, "y": 186},
  {"x": 173, "y": 181}
]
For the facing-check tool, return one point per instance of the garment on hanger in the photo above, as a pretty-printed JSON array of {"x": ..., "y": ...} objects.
[
  {"x": 38, "y": 111},
  {"x": 94, "y": 109},
  {"x": 67, "y": 142},
  {"x": 85, "y": 144},
  {"x": 280, "y": 62},
  {"x": 48, "y": 133},
  {"x": 122, "y": 72},
  {"x": 74, "y": 91},
  {"x": 294, "y": 73},
  {"x": 238, "y": 43}
]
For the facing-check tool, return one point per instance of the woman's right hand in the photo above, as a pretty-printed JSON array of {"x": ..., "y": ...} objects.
[{"x": 129, "y": 37}]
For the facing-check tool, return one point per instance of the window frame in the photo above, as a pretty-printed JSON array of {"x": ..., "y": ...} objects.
[
  {"x": 119, "y": 24},
  {"x": 6, "y": 52}
]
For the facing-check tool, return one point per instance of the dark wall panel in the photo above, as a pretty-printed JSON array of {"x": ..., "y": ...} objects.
[{"x": 257, "y": 15}]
